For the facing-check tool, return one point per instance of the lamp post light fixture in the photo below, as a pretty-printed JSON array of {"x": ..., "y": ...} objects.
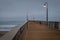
[{"x": 46, "y": 6}]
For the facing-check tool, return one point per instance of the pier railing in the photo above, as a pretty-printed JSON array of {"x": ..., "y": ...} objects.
[{"x": 16, "y": 34}]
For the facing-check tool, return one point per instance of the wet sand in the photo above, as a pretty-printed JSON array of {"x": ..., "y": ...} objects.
[{"x": 3, "y": 33}]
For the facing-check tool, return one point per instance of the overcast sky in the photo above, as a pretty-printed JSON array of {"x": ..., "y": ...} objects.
[{"x": 17, "y": 9}]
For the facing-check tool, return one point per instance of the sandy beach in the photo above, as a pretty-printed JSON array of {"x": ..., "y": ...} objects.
[{"x": 2, "y": 33}]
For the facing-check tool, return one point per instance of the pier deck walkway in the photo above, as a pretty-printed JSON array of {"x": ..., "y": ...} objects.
[{"x": 38, "y": 31}]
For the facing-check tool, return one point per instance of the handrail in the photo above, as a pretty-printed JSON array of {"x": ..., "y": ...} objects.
[{"x": 11, "y": 34}]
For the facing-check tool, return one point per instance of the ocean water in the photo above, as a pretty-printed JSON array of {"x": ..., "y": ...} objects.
[
  {"x": 6, "y": 27},
  {"x": 9, "y": 25}
]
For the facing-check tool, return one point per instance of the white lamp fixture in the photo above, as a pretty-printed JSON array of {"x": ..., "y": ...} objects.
[{"x": 45, "y": 4}]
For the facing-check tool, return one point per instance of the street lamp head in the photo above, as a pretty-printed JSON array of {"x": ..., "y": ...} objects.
[{"x": 45, "y": 4}]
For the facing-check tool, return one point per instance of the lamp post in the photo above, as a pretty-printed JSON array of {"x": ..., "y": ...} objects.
[
  {"x": 27, "y": 19},
  {"x": 46, "y": 6}
]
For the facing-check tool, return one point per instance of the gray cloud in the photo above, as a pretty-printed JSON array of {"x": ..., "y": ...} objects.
[{"x": 19, "y": 8}]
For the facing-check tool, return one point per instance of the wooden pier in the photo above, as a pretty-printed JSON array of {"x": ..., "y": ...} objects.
[{"x": 33, "y": 31}]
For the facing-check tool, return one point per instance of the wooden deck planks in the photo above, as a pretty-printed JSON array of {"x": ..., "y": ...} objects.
[{"x": 38, "y": 31}]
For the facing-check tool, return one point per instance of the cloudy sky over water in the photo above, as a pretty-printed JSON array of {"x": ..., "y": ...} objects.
[{"x": 17, "y": 9}]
